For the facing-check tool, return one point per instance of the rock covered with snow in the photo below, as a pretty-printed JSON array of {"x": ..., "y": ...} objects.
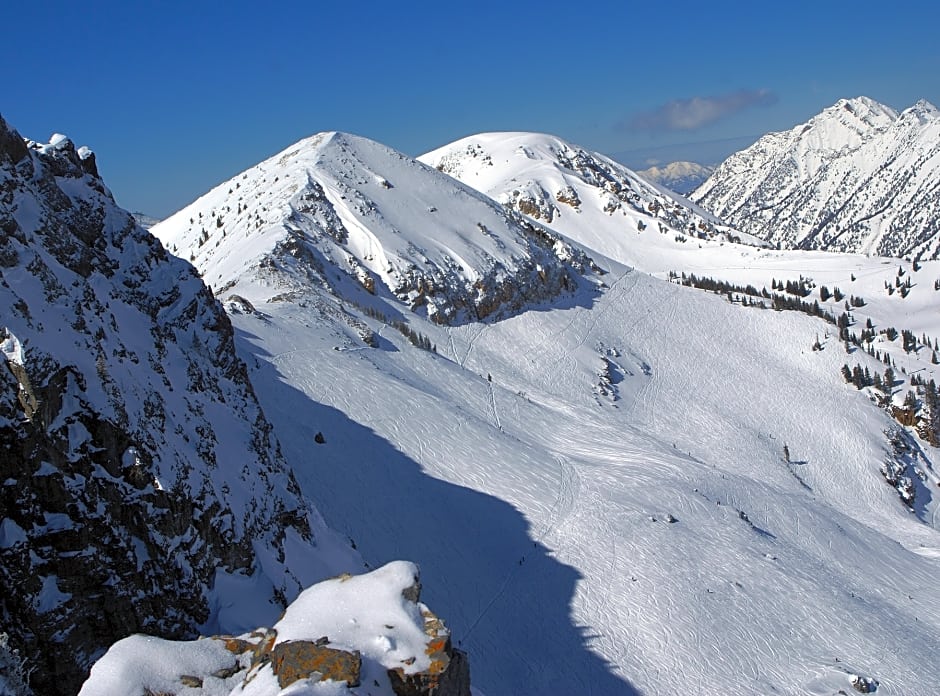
[
  {"x": 394, "y": 226},
  {"x": 369, "y": 630},
  {"x": 141, "y": 487},
  {"x": 858, "y": 177}
]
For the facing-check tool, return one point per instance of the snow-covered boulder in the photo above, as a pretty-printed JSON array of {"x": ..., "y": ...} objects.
[{"x": 368, "y": 630}]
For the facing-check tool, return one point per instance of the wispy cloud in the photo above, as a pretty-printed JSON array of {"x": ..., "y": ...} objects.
[{"x": 696, "y": 112}]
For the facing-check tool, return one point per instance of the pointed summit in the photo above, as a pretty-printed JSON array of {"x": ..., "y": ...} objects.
[{"x": 335, "y": 208}]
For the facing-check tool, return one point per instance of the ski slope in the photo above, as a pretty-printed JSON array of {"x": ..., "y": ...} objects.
[
  {"x": 595, "y": 488},
  {"x": 529, "y": 500}
]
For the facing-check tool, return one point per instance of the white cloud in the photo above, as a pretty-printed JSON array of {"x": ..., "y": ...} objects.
[{"x": 697, "y": 112}]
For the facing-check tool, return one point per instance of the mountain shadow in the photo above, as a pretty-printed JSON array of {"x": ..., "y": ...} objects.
[{"x": 505, "y": 599}]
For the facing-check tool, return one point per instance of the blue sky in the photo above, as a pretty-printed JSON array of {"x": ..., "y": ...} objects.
[{"x": 177, "y": 97}]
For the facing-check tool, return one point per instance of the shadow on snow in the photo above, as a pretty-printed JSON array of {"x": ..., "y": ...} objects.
[{"x": 505, "y": 599}]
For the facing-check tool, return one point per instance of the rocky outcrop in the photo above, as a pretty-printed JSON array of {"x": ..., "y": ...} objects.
[
  {"x": 449, "y": 671},
  {"x": 302, "y": 659},
  {"x": 384, "y": 638},
  {"x": 136, "y": 466}
]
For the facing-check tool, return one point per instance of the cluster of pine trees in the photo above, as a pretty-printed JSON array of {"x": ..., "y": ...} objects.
[
  {"x": 416, "y": 338},
  {"x": 862, "y": 378},
  {"x": 789, "y": 298},
  {"x": 800, "y": 288},
  {"x": 921, "y": 406}
]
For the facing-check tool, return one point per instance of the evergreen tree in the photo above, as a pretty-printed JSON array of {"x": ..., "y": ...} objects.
[
  {"x": 889, "y": 379},
  {"x": 846, "y": 373}
]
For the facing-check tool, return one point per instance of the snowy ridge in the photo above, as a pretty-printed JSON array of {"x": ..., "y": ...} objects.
[
  {"x": 141, "y": 486},
  {"x": 858, "y": 177},
  {"x": 583, "y": 195},
  {"x": 397, "y": 227}
]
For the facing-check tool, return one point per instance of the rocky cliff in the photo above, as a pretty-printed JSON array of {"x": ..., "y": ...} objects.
[{"x": 141, "y": 488}]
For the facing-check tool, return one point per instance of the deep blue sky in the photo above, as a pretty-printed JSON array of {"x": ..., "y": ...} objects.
[{"x": 177, "y": 97}]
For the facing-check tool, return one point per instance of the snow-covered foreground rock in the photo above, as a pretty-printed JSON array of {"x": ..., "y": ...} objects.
[
  {"x": 858, "y": 177},
  {"x": 634, "y": 488},
  {"x": 365, "y": 634}
]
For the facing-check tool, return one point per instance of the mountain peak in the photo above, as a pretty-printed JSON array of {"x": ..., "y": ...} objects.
[
  {"x": 681, "y": 177},
  {"x": 921, "y": 112},
  {"x": 583, "y": 195},
  {"x": 855, "y": 177},
  {"x": 853, "y": 118},
  {"x": 392, "y": 224}
]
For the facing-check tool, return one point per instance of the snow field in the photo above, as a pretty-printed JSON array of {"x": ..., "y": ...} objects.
[{"x": 595, "y": 488}]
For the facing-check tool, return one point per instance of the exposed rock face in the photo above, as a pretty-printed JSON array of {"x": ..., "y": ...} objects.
[
  {"x": 135, "y": 462},
  {"x": 300, "y": 659},
  {"x": 858, "y": 177},
  {"x": 448, "y": 673}
]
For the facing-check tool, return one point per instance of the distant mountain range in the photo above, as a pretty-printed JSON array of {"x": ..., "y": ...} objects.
[
  {"x": 144, "y": 220},
  {"x": 858, "y": 177},
  {"x": 681, "y": 177}
]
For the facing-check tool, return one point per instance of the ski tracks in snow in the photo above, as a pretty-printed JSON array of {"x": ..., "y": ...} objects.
[
  {"x": 499, "y": 425},
  {"x": 569, "y": 486}
]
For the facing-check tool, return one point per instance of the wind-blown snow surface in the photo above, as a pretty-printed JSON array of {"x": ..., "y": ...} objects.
[
  {"x": 858, "y": 177},
  {"x": 595, "y": 488}
]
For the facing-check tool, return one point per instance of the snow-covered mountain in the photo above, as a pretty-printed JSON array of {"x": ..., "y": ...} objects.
[
  {"x": 582, "y": 195},
  {"x": 627, "y": 487},
  {"x": 397, "y": 227},
  {"x": 142, "y": 486},
  {"x": 681, "y": 177},
  {"x": 144, "y": 220},
  {"x": 858, "y": 177}
]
